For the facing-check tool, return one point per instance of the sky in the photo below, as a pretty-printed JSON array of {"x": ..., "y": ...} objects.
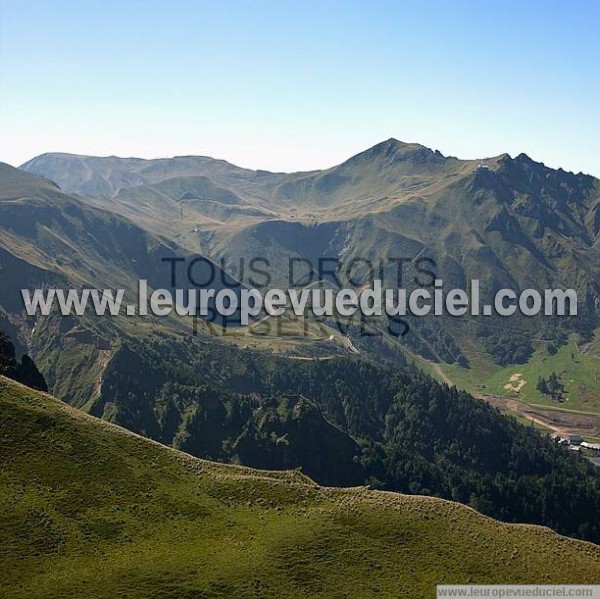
[{"x": 300, "y": 85}]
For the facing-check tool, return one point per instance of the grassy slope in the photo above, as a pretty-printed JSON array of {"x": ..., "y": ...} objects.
[
  {"x": 88, "y": 509},
  {"x": 578, "y": 371}
]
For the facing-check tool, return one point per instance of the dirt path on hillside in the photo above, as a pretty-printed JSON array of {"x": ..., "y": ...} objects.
[
  {"x": 562, "y": 422},
  {"x": 438, "y": 370}
]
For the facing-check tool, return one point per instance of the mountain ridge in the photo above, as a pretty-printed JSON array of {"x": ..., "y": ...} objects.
[
  {"x": 510, "y": 222},
  {"x": 518, "y": 225},
  {"x": 390, "y": 142},
  {"x": 134, "y": 517}
]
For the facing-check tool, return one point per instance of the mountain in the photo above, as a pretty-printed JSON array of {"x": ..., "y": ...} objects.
[
  {"x": 49, "y": 239},
  {"x": 346, "y": 408},
  {"x": 90, "y": 509},
  {"x": 508, "y": 222},
  {"x": 91, "y": 175},
  {"x": 346, "y": 421}
]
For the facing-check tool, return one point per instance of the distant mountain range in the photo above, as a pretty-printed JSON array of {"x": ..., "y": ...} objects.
[
  {"x": 510, "y": 222},
  {"x": 51, "y": 239}
]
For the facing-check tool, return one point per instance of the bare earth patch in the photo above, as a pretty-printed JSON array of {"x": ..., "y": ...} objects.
[
  {"x": 561, "y": 421},
  {"x": 515, "y": 383}
]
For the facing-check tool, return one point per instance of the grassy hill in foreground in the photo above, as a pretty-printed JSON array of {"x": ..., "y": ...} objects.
[{"x": 88, "y": 509}]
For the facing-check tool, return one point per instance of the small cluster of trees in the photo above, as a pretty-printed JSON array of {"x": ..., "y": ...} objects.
[
  {"x": 551, "y": 386},
  {"x": 24, "y": 371},
  {"x": 508, "y": 347}
]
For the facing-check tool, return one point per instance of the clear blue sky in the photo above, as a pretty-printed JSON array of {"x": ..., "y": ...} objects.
[{"x": 300, "y": 85}]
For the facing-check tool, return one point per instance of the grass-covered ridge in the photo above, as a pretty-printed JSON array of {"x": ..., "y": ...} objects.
[
  {"x": 346, "y": 422},
  {"x": 90, "y": 510}
]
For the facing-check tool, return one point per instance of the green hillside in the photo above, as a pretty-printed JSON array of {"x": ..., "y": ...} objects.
[
  {"x": 91, "y": 510},
  {"x": 577, "y": 367},
  {"x": 49, "y": 239},
  {"x": 348, "y": 409}
]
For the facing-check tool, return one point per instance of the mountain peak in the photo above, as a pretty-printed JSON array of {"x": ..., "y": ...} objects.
[
  {"x": 395, "y": 151},
  {"x": 396, "y": 144}
]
